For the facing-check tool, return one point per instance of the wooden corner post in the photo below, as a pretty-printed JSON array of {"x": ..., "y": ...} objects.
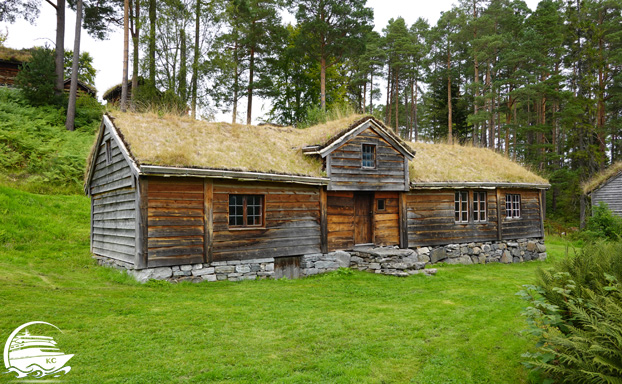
[
  {"x": 142, "y": 222},
  {"x": 208, "y": 220},
  {"x": 323, "y": 220},
  {"x": 403, "y": 218},
  {"x": 499, "y": 216}
]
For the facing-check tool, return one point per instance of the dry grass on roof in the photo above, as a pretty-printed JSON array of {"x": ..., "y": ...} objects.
[
  {"x": 601, "y": 177},
  {"x": 447, "y": 163},
  {"x": 184, "y": 142},
  {"x": 11, "y": 54}
]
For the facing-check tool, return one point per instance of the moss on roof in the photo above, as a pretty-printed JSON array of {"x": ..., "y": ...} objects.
[
  {"x": 457, "y": 163},
  {"x": 602, "y": 177},
  {"x": 16, "y": 55},
  {"x": 184, "y": 142}
]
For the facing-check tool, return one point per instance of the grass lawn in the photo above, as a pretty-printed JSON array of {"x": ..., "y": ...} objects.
[{"x": 461, "y": 326}]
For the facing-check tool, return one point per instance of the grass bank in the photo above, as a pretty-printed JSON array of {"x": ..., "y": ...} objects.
[{"x": 461, "y": 326}]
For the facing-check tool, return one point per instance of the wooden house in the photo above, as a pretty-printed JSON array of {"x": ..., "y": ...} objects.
[
  {"x": 178, "y": 197},
  {"x": 82, "y": 89},
  {"x": 10, "y": 62},
  {"x": 606, "y": 187}
]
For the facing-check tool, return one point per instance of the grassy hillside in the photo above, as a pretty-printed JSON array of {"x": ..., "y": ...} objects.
[
  {"x": 461, "y": 326},
  {"x": 37, "y": 152}
]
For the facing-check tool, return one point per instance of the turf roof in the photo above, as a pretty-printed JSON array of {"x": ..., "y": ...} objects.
[
  {"x": 16, "y": 55},
  {"x": 602, "y": 177},
  {"x": 183, "y": 142}
]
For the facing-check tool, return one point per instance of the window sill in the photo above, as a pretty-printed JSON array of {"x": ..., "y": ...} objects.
[{"x": 246, "y": 228}]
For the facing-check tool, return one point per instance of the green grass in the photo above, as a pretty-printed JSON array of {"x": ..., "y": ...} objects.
[{"x": 461, "y": 326}]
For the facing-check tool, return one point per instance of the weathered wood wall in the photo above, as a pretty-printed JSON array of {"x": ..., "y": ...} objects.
[
  {"x": 340, "y": 210},
  {"x": 431, "y": 219},
  {"x": 346, "y": 173},
  {"x": 113, "y": 205},
  {"x": 8, "y": 71},
  {"x": 529, "y": 223},
  {"x": 611, "y": 194},
  {"x": 176, "y": 221},
  {"x": 291, "y": 223},
  {"x": 386, "y": 223}
]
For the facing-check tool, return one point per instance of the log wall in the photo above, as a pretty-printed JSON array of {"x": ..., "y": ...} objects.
[
  {"x": 611, "y": 194},
  {"x": 175, "y": 221},
  {"x": 291, "y": 224},
  {"x": 8, "y": 72},
  {"x": 386, "y": 223},
  {"x": 529, "y": 223},
  {"x": 340, "y": 210},
  {"x": 113, "y": 205},
  {"x": 346, "y": 173}
]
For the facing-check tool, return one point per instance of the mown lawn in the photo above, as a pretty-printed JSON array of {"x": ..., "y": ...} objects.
[{"x": 461, "y": 326}]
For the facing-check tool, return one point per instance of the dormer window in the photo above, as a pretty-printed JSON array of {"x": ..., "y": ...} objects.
[{"x": 369, "y": 156}]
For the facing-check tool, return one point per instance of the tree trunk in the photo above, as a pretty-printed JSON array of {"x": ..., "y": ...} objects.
[
  {"x": 236, "y": 78},
  {"x": 152, "y": 45},
  {"x": 476, "y": 78},
  {"x": 449, "y": 106},
  {"x": 183, "y": 68},
  {"x": 126, "y": 30},
  {"x": 251, "y": 69},
  {"x": 397, "y": 101},
  {"x": 71, "y": 108},
  {"x": 387, "y": 109},
  {"x": 59, "y": 63},
  {"x": 323, "y": 83},
  {"x": 371, "y": 93},
  {"x": 415, "y": 113},
  {"x": 195, "y": 62},
  {"x": 135, "y": 38}
]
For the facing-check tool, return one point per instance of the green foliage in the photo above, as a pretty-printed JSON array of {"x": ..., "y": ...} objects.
[
  {"x": 603, "y": 224},
  {"x": 36, "y": 78},
  {"x": 86, "y": 71},
  {"x": 36, "y": 150},
  {"x": 315, "y": 114},
  {"x": 575, "y": 313}
]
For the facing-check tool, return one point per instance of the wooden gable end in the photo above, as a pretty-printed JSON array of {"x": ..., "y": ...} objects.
[
  {"x": 610, "y": 193},
  {"x": 349, "y": 168}
]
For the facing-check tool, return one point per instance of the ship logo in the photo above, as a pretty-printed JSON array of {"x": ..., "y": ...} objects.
[{"x": 29, "y": 355}]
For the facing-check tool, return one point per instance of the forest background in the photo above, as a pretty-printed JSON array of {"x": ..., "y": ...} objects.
[{"x": 542, "y": 87}]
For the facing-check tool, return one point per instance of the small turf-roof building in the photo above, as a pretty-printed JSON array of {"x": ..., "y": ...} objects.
[
  {"x": 606, "y": 187},
  {"x": 178, "y": 198}
]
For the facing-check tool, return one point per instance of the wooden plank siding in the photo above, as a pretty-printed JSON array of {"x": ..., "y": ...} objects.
[
  {"x": 340, "y": 209},
  {"x": 529, "y": 223},
  {"x": 386, "y": 223},
  {"x": 175, "y": 220},
  {"x": 611, "y": 194},
  {"x": 431, "y": 219},
  {"x": 291, "y": 223},
  {"x": 347, "y": 174},
  {"x": 113, "y": 212}
]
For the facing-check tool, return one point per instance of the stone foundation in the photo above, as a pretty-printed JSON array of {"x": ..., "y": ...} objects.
[{"x": 382, "y": 260}]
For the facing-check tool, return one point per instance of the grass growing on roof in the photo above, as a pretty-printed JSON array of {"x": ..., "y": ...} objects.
[
  {"x": 601, "y": 177},
  {"x": 10, "y": 54},
  {"x": 461, "y": 326},
  {"x": 447, "y": 162},
  {"x": 183, "y": 142}
]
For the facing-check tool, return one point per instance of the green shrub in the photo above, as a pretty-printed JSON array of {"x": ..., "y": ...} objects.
[
  {"x": 37, "y": 77},
  {"x": 603, "y": 224},
  {"x": 576, "y": 314}
]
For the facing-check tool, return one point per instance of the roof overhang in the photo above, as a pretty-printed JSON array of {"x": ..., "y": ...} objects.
[
  {"x": 476, "y": 185},
  {"x": 156, "y": 170}
]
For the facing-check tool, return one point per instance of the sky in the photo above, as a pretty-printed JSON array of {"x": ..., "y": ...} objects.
[{"x": 108, "y": 54}]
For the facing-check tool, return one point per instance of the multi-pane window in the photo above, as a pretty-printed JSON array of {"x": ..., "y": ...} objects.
[
  {"x": 461, "y": 206},
  {"x": 369, "y": 156},
  {"x": 479, "y": 207},
  {"x": 245, "y": 210},
  {"x": 512, "y": 206}
]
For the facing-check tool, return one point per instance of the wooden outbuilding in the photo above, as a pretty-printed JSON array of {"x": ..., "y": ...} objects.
[
  {"x": 170, "y": 191},
  {"x": 11, "y": 61},
  {"x": 82, "y": 88},
  {"x": 606, "y": 187}
]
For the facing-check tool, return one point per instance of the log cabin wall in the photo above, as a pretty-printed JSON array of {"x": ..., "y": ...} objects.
[
  {"x": 611, "y": 194},
  {"x": 530, "y": 223},
  {"x": 175, "y": 220},
  {"x": 431, "y": 219},
  {"x": 113, "y": 203},
  {"x": 346, "y": 173},
  {"x": 340, "y": 212},
  {"x": 386, "y": 222},
  {"x": 8, "y": 72},
  {"x": 291, "y": 223}
]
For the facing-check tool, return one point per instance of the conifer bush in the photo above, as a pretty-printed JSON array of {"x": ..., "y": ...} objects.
[{"x": 575, "y": 312}]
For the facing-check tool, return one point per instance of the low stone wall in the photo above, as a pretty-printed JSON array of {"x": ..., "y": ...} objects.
[{"x": 383, "y": 260}]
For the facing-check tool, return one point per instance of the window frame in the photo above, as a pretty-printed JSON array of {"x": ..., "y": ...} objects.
[
  {"x": 384, "y": 205},
  {"x": 513, "y": 206},
  {"x": 482, "y": 197},
  {"x": 108, "y": 151},
  {"x": 245, "y": 225},
  {"x": 462, "y": 209},
  {"x": 373, "y": 160}
]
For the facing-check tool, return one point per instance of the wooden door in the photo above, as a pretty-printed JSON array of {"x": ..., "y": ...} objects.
[{"x": 362, "y": 218}]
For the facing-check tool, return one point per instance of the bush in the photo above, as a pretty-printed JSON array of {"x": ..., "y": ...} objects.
[
  {"x": 603, "y": 224},
  {"x": 36, "y": 78},
  {"x": 576, "y": 315}
]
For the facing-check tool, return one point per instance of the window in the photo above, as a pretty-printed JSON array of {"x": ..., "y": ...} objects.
[
  {"x": 381, "y": 205},
  {"x": 461, "y": 206},
  {"x": 108, "y": 152},
  {"x": 479, "y": 207},
  {"x": 369, "y": 156},
  {"x": 512, "y": 206},
  {"x": 245, "y": 210}
]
